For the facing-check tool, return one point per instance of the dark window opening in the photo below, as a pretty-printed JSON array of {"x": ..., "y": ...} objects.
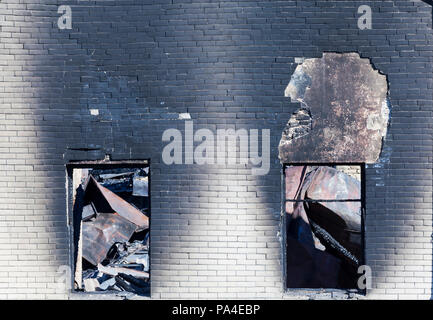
[
  {"x": 110, "y": 224},
  {"x": 324, "y": 207}
]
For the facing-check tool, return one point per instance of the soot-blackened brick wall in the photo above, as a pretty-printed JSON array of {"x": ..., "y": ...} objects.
[{"x": 215, "y": 229}]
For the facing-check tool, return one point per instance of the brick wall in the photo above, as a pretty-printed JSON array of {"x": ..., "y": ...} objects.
[{"x": 215, "y": 230}]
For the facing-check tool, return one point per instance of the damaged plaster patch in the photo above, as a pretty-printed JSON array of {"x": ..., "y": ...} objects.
[{"x": 344, "y": 111}]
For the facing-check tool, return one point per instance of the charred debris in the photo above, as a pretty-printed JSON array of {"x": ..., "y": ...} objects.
[
  {"x": 324, "y": 239},
  {"x": 111, "y": 230}
]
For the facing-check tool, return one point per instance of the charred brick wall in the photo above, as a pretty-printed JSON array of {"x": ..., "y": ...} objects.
[{"x": 215, "y": 229}]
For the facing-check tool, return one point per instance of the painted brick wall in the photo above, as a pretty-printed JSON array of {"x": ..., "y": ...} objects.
[{"x": 214, "y": 229}]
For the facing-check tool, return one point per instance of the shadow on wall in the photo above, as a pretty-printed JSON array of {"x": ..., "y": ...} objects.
[{"x": 38, "y": 97}]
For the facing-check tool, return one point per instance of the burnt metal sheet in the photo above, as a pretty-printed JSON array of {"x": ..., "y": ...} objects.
[
  {"x": 330, "y": 184},
  {"x": 336, "y": 227},
  {"x": 140, "y": 186},
  {"x": 108, "y": 201},
  {"x": 323, "y": 230},
  {"x": 99, "y": 235},
  {"x": 114, "y": 271},
  {"x": 88, "y": 212},
  {"x": 294, "y": 178}
]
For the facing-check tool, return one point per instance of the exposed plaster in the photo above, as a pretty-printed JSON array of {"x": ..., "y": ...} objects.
[{"x": 344, "y": 111}]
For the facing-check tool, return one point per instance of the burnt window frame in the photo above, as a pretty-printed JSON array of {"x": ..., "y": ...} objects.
[
  {"x": 99, "y": 164},
  {"x": 286, "y": 289}
]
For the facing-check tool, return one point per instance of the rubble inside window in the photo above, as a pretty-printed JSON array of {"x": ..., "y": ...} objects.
[
  {"x": 111, "y": 229},
  {"x": 324, "y": 226}
]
